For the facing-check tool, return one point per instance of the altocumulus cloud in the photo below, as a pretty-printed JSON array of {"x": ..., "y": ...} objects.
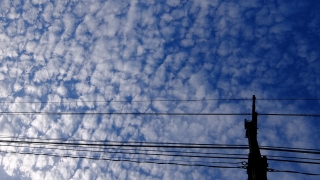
[{"x": 76, "y": 53}]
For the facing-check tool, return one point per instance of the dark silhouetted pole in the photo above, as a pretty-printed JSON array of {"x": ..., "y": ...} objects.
[{"x": 257, "y": 165}]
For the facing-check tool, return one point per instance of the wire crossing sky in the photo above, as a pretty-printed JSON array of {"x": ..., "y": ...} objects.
[
  {"x": 162, "y": 71},
  {"x": 164, "y": 100}
]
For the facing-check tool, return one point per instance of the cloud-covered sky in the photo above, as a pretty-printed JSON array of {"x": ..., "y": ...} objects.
[{"x": 78, "y": 52}]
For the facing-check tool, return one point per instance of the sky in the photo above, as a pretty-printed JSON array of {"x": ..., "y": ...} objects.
[{"x": 78, "y": 52}]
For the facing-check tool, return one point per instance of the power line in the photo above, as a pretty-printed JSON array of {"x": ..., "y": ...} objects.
[
  {"x": 123, "y": 151},
  {"x": 165, "y": 145},
  {"x": 162, "y": 145},
  {"x": 127, "y": 101},
  {"x": 174, "y": 155},
  {"x": 109, "y": 141},
  {"x": 288, "y": 99},
  {"x": 115, "y": 150},
  {"x": 122, "y": 143},
  {"x": 61, "y": 140},
  {"x": 212, "y": 146},
  {"x": 121, "y": 160},
  {"x": 152, "y": 162},
  {"x": 171, "y": 155},
  {"x": 290, "y": 150},
  {"x": 281, "y": 148},
  {"x": 293, "y": 157},
  {"x": 48, "y": 140},
  {"x": 168, "y": 155},
  {"x": 126, "y": 113},
  {"x": 156, "y": 114},
  {"x": 159, "y": 100},
  {"x": 281, "y": 114},
  {"x": 148, "y": 154},
  {"x": 293, "y": 161},
  {"x": 295, "y": 172}
]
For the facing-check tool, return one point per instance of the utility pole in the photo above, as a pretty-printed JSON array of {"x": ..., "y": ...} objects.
[{"x": 257, "y": 165}]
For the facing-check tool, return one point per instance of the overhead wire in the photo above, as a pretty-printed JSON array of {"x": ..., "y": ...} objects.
[
  {"x": 155, "y": 114},
  {"x": 296, "y": 150},
  {"x": 288, "y": 114},
  {"x": 293, "y": 157},
  {"x": 123, "y": 150},
  {"x": 160, "y": 100},
  {"x": 129, "y": 153},
  {"x": 85, "y": 145},
  {"x": 67, "y": 140},
  {"x": 293, "y": 161},
  {"x": 295, "y": 172},
  {"x": 128, "y": 101},
  {"x": 161, "y": 154},
  {"x": 204, "y": 163},
  {"x": 122, "y": 160},
  {"x": 288, "y": 99},
  {"x": 153, "y": 154},
  {"x": 111, "y": 141},
  {"x": 126, "y": 113},
  {"x": 290, "y": 150},
  {"x": 147, "y": 154},
  {"x": 61, "y": 140},
  {"x": 115, "y": 150},
  {"x": 152, "y": 162},
  {"x": 170, "y": 155},
  {"x": 212, "y": 146},
  {"x": 165, "y": 145}
]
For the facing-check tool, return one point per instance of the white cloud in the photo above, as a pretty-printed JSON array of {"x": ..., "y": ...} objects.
[
  {"x": 30, "y": 14},
  {"x": 13, "y": 14},
  {"x": 173, "y": 2},
  {"x": 39, "y": 1},
  {"x": 280, "y": 27},
  {"x": 187, "y": 42},
  {"x": 224, "y": 48},
  {"x": 4, "y": 90},
  {"x": 68, "y": 50}
]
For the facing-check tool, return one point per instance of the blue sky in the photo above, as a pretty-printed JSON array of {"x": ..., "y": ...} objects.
[{"x": 77, "y": 51}]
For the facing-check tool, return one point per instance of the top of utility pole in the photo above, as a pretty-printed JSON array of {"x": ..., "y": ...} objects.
[
  {"x": 253, "y": 104},
  {"x": 257, "y": 165}
]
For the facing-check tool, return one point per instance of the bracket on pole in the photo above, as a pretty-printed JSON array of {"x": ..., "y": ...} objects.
[{"x": 257, "y": 165}]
